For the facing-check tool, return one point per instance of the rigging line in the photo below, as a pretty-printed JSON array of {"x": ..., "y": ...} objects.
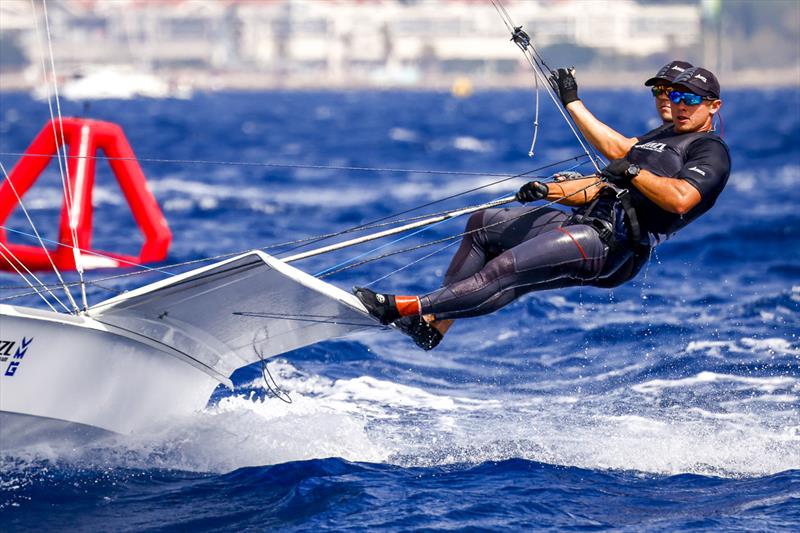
[
  {"x": 523, "y": 42},
  {"x": 315, "y": 238},
  {"x": 264, "y": 164},
  {"x": 593, "y": 156},
  {"x": 271, "y": 385},
  {"x": 452, "y": 237},
  {"x": 8, "y": 260},
  {"x": 39, "y": 238},
  {"x": 310, "y": 240},
  {"x": 546, "y": 71},
  {"x": 315, "y": 319},
  {"x": 428, "y": 204},
  {"x": 91, "y": 252},
  {"x": 52, "y": 121},
  {"x": 424, "y": 257},
  {"x": 422, "y": 229},
  {"x": 221, "y": 256},
  {"x": 205, "y": 259},
  {"x": 539, "y": 72},
  {"x": 20, "y": 295},
  {"x": 68, "y": 188},
  {"x": 506, "y": 19},
  {"x": 382, "y": 246},
  {"x": 522, "y": 46},
  {"x": 389, "y": 254},
  {"x": 531, "y": 152}
]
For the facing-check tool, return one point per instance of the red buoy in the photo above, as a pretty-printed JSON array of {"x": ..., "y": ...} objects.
[{"x": 84, "y": 138}]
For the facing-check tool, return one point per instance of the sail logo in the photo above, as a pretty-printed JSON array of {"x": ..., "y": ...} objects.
[
  {"x": 16, "y": 359},
  {"x": 652, "y": 146}
]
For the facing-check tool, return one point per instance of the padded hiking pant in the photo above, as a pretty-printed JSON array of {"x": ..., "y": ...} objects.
[{"x": 513, "y": 251}]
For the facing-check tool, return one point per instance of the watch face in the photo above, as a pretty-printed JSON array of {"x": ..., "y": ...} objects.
[{"x": 633, "y": 170}]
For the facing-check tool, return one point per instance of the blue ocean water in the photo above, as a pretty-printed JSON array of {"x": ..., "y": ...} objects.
[{"x": 672, "y": 403}]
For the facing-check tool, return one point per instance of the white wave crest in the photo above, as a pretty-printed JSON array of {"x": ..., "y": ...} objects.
[{"x": 377, "y": 420}]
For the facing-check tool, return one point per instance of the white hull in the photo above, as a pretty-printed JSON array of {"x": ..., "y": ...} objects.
[
  {"x": 75, "y": 370},
  {"x": 160, "y": 351}
]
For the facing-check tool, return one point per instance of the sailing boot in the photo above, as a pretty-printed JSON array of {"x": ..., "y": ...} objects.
[
  {"x": 381, "y": 306},
  {"x": 423, "y": 334}
]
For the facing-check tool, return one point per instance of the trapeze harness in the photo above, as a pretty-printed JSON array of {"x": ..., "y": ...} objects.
[
  {"x": 509, "y": 252},
  {"x": 620, "y": 226}
]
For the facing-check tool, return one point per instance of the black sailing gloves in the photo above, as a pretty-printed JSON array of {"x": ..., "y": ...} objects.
[
  {"x": 563, "y": 83},
  {"x": 620, "y": 172},
  {"x": 532, "y": 191}
]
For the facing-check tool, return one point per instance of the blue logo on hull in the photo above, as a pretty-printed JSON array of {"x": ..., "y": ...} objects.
[{"x": 5, "y": 353}]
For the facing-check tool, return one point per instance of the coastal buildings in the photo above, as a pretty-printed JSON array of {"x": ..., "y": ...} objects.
[{"x": 242, "y": 43}]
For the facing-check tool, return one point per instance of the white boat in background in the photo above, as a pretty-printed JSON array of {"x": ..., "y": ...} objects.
[{"x": 116, "y": 82}]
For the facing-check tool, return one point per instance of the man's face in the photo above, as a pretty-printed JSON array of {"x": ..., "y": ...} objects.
[
  {"x": 662, "y": 101},
  {"x": 691, "y": 118}
]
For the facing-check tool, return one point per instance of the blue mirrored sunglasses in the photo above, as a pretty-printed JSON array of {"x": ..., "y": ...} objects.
[{"x": 688, "y": 98}]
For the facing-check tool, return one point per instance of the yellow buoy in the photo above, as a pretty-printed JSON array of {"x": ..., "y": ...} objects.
[{"x": 461, "y": 88}]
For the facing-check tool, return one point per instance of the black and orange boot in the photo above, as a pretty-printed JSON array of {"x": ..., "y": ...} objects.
[
  {"x": 381, "y": 306},
  {"x": 423, "y": 334}
]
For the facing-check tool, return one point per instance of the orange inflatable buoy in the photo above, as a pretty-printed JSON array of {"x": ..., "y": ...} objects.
[{"x": 84, "y": 138}]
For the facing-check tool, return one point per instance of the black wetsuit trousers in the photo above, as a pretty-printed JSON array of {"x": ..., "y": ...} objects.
[{"x": 513, "y": 251}]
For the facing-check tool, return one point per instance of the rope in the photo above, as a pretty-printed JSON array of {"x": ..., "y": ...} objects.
[
  {"x": 406, "y": 236},
  {"x": 12, "y": 256},
  {"x": 46, "y": 251},
  {"x": 68, "y": 183},
  {"x": 456, "y": 236},
  {"x": 369, "y": 225},
  {"x": 267, "y": 164},
  {"x": 538, "y": 70},
  {"x": 522, "y": 40},
  {"x": 377, "y": 223},
  {"x": 412, "y": 263},
  {"x": 271, "y": 385},
  {"x": 52, "y": 121}
]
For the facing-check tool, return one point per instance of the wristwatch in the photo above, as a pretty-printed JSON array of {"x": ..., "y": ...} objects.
[{"x": 633, "y": 171}]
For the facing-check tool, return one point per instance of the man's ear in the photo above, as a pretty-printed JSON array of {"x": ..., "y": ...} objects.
[{"x": 714, "y": 107}]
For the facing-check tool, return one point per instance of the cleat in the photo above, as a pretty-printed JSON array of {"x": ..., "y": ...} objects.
[
  {"x": 423, "y": 334},
  {"x": 381, "y": 306}
]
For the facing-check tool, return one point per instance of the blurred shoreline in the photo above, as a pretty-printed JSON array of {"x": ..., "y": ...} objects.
[{"x": 205, "y": 81}]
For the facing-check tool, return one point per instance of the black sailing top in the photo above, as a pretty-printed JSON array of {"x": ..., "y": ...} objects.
[{"x": 702, "y": 159}]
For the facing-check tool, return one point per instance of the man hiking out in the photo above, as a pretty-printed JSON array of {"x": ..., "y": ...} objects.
[{"x": 662, "y": 184}]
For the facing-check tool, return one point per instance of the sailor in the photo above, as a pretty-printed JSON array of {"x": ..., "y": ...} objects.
[
  {"x": 609, "y": 142},
  {"x": 661, "y": 185}
]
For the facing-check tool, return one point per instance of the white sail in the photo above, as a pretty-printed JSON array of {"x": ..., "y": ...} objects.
[{"x": 229, "y": 314}]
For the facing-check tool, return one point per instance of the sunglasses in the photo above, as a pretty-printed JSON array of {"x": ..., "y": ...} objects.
[
  {"x": 688, "y": 98},
  {"x": 658, "y": 91}
]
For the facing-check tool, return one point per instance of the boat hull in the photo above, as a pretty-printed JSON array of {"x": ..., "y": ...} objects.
[{"x": 77, "y": 370}]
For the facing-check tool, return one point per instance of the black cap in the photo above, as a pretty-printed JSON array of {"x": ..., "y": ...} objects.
[
  {"x": 699, "y": 81},
  {"x": 669, "y": 72}
]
